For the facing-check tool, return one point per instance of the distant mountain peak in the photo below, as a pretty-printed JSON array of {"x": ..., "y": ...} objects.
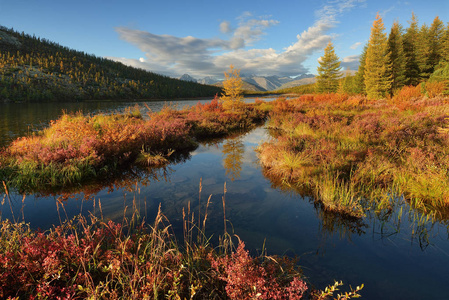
[
  {"x": 187, "y": 77},
  {"x": 208, "y": 80}
]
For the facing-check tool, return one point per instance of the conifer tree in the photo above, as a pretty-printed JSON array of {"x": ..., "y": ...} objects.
[
  {"x": 347, "y": 84},
  {"x": 436, "y": 34},
  {"x": 445, "y": 46},
  {"x": 328, "y": 71},
  {"x": 232, "y": 86},
  {"x": 410, "y": 50},
  {"x": 397, "y": 57},
  {"x": 360, "y": 75},
  {"x": 423, "y": 53},
  {"x": 378, "y": 66}
]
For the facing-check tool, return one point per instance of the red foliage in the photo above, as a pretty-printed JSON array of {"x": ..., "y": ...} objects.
[{"x": 247, "y": 279}]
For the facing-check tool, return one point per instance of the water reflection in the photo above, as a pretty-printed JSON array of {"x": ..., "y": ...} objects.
[
  {"x": 395, "y": 254},
  {"x": 233, "y": 150},
  {"x": 333, "y": 223}
]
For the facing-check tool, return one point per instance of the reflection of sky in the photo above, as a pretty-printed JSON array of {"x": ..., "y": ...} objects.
[{"x": 391, "y": 265}]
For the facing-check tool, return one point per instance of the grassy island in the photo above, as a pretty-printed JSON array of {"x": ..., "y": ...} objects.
[
  {"x": 76, "y": 148},
  {"x": 353, "y": 154}
]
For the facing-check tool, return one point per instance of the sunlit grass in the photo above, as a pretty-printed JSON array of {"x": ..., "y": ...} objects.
[
  {"x": 352, "y": 151},
  {"x": 77, "y": 148}
]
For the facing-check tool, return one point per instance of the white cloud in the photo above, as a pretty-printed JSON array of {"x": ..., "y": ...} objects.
[
  {"x": 171, "y": 55},
  {"x": 351, "y": 62},
  {"x": 386, "y": 11},
  {"x": 355, "y": 45},
  {"x": 225, "y": 27}
]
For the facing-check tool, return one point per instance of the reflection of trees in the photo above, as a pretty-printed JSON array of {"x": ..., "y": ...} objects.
[
  {"x": 345, "y": 226},
  {"x": 233, "y": 150}
]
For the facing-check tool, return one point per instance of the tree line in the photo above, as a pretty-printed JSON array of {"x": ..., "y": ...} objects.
[
  {"x": 35, "y": 69},
  {"x": 404, "y": 57}
]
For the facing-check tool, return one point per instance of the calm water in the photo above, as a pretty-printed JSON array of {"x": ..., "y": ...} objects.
[{"x": 395, "y": 257}]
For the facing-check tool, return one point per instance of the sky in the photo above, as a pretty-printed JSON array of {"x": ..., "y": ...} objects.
[{"x": 203, "y": 38}]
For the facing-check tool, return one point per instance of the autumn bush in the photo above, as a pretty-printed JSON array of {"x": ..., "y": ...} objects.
[
  {"x": 406, "y": 94},
  {"x": 76, "y": 148},
  {"x": 344, "y": 154},
  {"x": 100, "y": 259}
]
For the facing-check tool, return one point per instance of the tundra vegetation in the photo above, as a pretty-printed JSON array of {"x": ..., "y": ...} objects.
[
  {"x": 384, "y": 135},
  {"x": 77, "y": 148}
]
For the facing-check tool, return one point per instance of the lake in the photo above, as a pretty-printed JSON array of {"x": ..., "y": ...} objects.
[{"x": 396, "y": 256}]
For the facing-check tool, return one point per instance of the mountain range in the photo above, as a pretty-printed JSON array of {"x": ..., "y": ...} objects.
[{"x": 254, "y": 82}]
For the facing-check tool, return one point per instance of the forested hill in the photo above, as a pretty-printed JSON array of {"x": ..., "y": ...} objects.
[{"x": 35, "y": 69}]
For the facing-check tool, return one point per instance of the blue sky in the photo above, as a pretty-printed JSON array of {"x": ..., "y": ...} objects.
[{"x": 202, "y": 38}]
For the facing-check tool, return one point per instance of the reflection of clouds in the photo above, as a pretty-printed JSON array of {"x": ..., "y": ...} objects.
[{"x": 256, "y": 137}]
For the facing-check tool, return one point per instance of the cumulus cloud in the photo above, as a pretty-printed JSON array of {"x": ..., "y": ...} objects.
[
  {"x": 351, "y": 62},
  {"x": 171, "y": 55},
  {"x": 225, "y": 27}
]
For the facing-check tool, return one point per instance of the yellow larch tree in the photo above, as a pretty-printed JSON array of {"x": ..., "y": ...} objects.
[{"x": 232, "y": 89}]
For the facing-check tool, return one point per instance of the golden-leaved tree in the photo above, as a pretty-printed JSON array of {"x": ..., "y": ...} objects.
[{"x": 232, "y": 86}]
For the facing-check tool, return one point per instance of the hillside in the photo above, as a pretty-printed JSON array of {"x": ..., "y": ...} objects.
[
  {"x": 299, "y": 82},
  {"x": 35, "y": 69},
  {"x": 247, "y": 87}
]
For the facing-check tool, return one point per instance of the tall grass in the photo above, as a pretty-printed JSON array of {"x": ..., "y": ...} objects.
[
  {"x": 99, "y": 259},
  {"x": 351, "y": 152},
  {"x": 77, "y": 148}
]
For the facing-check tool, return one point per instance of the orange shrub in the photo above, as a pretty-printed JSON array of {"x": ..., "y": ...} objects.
[
  {"x": 306, "y": 98},
  {"x": 406, "y": 94},
  {"x": 331, "y": 98}
]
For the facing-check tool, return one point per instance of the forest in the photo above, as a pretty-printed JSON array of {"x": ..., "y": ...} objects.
[
  {"x": 36, "y": 69},
  {"x": 417, "y": 55}
]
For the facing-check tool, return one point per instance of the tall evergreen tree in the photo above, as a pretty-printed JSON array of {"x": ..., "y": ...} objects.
[
  {"x": 410, "y": 50},
  {"x": 445, "y": 46},
  {"x": 436, "y": 34},
  {"x": 360, "y": 75},
  {"x": 378, "y": 66},
  {"x": 397, "y": 57},
  {"x": 328, "y": 71},
  {"x": 423, "y": 52}
]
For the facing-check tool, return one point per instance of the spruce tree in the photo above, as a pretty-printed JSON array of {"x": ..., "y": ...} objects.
[
  {"x": 397, "y": 57},
  {"x": 377, "y": 64},
  {"x": 423, "y": 53},
  {"x": 360, "y": 75},
  {"x": 445, "y": 46},
  {"x": 328, "y": 71},
  {"x": 410, "y": 50},
  {"x": 436, "y": 34}
]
